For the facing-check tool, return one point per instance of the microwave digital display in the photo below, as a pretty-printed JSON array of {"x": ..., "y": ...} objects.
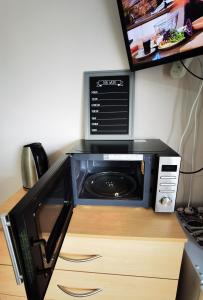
[{"x": 169, "y": 168}]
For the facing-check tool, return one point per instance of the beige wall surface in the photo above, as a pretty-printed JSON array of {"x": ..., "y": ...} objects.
[{"x": 46, "y": 45}]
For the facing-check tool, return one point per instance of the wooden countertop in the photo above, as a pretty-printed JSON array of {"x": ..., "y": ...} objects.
[
  {"x": 7, "y": 205},
  {"x": 125, "y": 222},
  {"x": 115, "y": 221}
]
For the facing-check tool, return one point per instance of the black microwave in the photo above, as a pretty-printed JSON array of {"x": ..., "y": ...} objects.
[{"x": 139, "y": 173}]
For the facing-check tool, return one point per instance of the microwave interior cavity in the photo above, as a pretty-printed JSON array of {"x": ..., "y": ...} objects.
[{"x": 109, "y": 182}]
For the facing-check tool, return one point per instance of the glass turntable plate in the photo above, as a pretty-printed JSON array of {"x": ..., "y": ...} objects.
[{"x": 110, "y": 184}]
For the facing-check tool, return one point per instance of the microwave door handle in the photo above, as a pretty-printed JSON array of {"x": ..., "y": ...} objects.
[{"x": 6, "y": 224}]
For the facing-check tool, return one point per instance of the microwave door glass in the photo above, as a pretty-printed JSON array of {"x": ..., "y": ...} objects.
[{"x": 49, "y": 218}]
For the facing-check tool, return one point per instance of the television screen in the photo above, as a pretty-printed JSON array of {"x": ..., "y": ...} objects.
[{"x": 161, "y": 31}]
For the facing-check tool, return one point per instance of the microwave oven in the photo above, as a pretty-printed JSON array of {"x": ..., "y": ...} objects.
[
  {"x": 139, "y": 173},
  {"x": 142, "y": 173}
]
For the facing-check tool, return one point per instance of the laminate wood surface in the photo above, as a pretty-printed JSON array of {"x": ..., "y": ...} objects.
[
  {"x": 8, "y": 297},
  {"x": 4, "y": 254},
  {"x": 8, "y": 204},
  {"x": 114, "y": 221},
  {"x": 133, "y": 246},
  {"x": 111, "y": 286},
  {"x": 125, "y": 222},
  {"x": 128, "y": 257},
  {"x": 8, "y": 284}
]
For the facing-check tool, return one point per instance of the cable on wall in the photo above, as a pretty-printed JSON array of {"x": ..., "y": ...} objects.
[
  {"x": 193, "y": 151},
  {"x": 189, "y": 71},
  {"x": 194, "y": 107},
  {"x": 190, "y": 117},
  {"x": 192, "y": 172}
]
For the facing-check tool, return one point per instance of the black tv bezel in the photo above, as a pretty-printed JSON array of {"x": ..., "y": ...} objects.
[{"x": 161, "y": 61}]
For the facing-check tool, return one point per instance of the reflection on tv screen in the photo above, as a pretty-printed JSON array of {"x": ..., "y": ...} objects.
[{"x": 160, "y": 30}]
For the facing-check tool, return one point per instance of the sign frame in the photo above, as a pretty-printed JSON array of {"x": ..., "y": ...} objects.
[{"x": 87, "y": 102}]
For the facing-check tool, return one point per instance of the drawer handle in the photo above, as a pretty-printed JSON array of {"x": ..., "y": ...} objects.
[
  {"x": 77, "y": 258},
  {"x": 75, "y": 292}
]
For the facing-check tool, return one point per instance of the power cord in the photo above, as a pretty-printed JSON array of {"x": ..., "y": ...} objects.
[
  {"x": 194, "y": 107},
  {"x": 190, "y": 117},
  {"x": 193, "y": 74},
  {"x": 192, "y": 172}
]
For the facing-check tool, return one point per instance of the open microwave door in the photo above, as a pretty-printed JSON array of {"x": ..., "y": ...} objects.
[{"x": 36, "y": 226}]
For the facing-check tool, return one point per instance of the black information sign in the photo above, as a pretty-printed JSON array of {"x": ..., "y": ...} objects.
[{"x": 109, "y": 105}]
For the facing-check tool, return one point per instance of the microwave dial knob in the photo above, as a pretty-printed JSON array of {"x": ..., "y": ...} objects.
[{"x": 165, "y": 201}]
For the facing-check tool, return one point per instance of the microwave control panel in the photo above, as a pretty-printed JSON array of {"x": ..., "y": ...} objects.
[{"x": 167, "y": 183}]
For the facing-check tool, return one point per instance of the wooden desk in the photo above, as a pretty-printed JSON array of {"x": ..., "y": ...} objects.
[
  {"x": 119, "y": 253},
  {"x": 126, "y": 252}
]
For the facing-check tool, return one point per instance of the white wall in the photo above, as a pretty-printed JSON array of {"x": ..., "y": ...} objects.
[{"x": 45, "y": 46}]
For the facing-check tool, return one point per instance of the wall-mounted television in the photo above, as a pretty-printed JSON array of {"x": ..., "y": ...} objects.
[{"x": 161, "y": 31}]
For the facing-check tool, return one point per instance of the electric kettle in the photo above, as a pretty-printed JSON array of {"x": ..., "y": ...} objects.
[{"x": 34, "y": 163}]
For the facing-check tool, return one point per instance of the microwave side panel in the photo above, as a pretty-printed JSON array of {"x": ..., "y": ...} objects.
[{"x": 25, "y": 236}]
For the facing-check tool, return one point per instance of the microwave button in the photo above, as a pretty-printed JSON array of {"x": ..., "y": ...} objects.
[
  {"x": 165, "y": 201},
  {"x": 168, "y": 177},
  {"x": 167, "y": 184}
]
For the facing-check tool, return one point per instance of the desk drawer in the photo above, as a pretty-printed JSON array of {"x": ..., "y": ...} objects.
[
  {"x": 8, "y": 284},
  {"x": 159, "y": 259},
  {"x": 67, "y": 285}
]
